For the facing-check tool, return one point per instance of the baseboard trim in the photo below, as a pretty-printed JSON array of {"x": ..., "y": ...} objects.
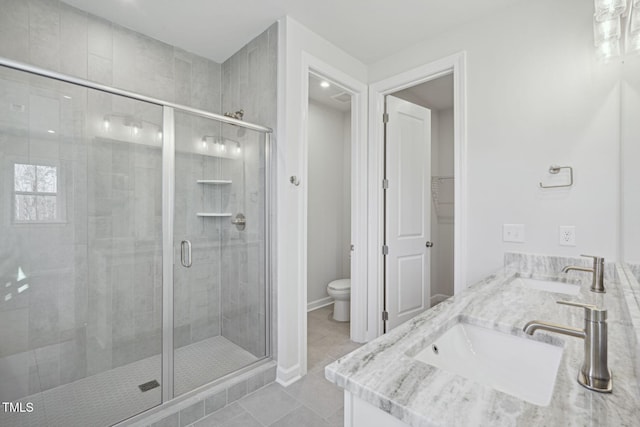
[
  {"x": 319, "y": 303},
  {"x": 438, "y": 298},
  {"x": 286, "y": 377}
]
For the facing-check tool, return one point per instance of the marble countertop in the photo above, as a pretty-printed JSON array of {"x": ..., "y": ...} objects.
[{"x": 382, "y": 374}]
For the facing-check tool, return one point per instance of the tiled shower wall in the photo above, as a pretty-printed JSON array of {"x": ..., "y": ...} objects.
[
  {"x": 196, "y": 289},
  {"x": 55, "y": 36},
  {"x": 249, "y": 82}
]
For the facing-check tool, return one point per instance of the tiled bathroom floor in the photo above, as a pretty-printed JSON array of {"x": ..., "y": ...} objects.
[{"x": 310, "y": 402}]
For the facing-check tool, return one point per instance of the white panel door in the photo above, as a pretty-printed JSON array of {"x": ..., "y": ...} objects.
[{"x": 407, "y": 210}]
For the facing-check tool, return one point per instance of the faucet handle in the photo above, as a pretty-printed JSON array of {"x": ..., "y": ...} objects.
[
  {"x": 591, "y": 312},
  {"x": 578, "y": 304}
]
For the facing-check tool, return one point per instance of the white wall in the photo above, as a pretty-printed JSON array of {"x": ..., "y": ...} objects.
[
  {"x": 536, "y": 96},
  {"x": 294, "y": 40},
  {"x": 445, "y": 142},
  {"x": 346, "y": 195},
  {"x": 631, "y": 159},
  {"x": 328, "y": 215},
  {"x": 442, "y": 230}
]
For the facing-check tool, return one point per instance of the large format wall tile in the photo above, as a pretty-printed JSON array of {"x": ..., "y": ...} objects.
[
  {"x": 44, "y": 34},
  {"x": 14, "y": 29},
  {"x": 73, "y": 41},
  {"x": 248, "y": 82}
]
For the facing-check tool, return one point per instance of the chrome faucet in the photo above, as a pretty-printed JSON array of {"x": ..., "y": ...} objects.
[
  {"x": 594, "y": 373},
  {"x": 597, "y": 283}
]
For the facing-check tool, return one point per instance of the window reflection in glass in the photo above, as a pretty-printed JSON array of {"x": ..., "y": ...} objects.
[{"x": 36, "y": 192}]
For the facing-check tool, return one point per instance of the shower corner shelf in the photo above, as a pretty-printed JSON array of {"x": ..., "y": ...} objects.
[
  {"x": 214, "y": 181},
  {"x": 212, "y": 214}
]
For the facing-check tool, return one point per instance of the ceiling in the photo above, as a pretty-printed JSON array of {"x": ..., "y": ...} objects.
[
  {"x": 368, "y": 30},
  {"x": 435, "y": 94},
  {"x": 332, "y": 96}
]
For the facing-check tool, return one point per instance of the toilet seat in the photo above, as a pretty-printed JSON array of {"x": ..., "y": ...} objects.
[{"x": 340, "y": 285}]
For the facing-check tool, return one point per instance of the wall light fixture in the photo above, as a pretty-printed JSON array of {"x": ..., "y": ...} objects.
[{"x": 616, "y": 28}]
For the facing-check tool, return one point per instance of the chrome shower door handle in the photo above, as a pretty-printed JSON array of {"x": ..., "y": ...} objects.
[{"x": 185, "y": 253}]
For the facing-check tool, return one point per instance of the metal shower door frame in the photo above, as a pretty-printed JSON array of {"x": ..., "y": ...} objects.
[{"x": 168, "y": 209}]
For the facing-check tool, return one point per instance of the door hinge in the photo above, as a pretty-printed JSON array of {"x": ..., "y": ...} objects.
[
  {"x": 385, "y": 316},
  {"x": 385, "y": 184},
  {"x": 385, "y": 250},
  {"x": 385, "y": 118}
]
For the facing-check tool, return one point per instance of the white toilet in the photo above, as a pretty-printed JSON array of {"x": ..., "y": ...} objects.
[{"x": 340, "y": 291}]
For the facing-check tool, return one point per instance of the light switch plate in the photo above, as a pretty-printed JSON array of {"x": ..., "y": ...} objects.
[
  {"x": 567, "y": 235},
  {"x": 513, "y": 233}
]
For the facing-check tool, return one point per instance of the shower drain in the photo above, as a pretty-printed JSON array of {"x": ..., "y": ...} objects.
[{"x": 149, "y": 385}]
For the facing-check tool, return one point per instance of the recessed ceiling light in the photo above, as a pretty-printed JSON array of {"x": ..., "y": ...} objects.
[{"x": 324, "y": 84}]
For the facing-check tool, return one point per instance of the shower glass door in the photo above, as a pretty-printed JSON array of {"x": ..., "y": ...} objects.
[
  {"x": 92, "y": 334},
  {"x": 219, "y": 250},
  {"x": 80, "y": 254}
]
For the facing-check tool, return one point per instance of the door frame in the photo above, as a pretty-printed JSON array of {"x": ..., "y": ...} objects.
[
  {"x": 359, "y": 186},
  {"x": 456, "y": 65}
]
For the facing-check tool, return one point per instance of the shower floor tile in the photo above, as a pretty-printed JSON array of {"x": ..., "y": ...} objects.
[
  {"x": 106, "y": 398},
  {"x": 204, "y": 361}
]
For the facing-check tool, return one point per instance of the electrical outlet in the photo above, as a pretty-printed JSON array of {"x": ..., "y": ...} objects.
[
  {"x": 567, "y": 235},
  {"x": 513, "y": 233}
]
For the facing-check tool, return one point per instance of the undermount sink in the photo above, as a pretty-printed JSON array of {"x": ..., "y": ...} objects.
[
  {"x": 547, "y": 285},
  {"x": 517, "y": 366}
]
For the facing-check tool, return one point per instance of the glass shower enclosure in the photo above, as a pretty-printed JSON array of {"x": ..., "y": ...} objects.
[{"x": 133, "y": 250}]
